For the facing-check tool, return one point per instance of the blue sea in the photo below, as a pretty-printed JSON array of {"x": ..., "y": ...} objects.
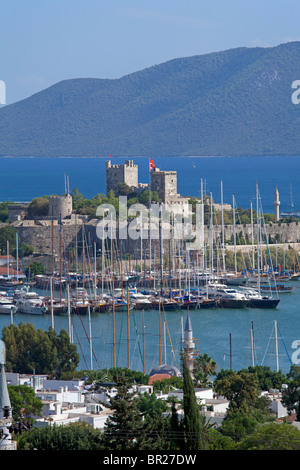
[{"x": 22, "y": 179}]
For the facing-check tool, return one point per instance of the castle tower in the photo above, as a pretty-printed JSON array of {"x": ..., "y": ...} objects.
[
  {"x": 165, "y": 183},
  {"x": 188, "y": 344},
  {"x": 60, "y": 205},
  {"x": 6, "y": 442},
  {"x": 276, "y": 205},
  {"x": 116, "y": 174}
]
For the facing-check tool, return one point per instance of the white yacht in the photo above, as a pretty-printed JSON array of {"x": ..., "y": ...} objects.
[
  {"x": 226, "y": 297},
  {"x": 7, "y": 306},
  {"x": 29, "y": 302},
  {"x": 139, "y": 301}
]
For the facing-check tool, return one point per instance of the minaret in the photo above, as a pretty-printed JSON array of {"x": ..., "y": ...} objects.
[
  {"x": 188, "y": 344},
  {"x": 276, "y": 205},
  {"x": 6, "y": 442}
]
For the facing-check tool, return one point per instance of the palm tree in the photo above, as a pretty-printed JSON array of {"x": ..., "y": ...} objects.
[{"x": 204, "y": 368}]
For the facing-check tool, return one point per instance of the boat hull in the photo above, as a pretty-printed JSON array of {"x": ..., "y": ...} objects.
[
  {"x": 207, "y": 303},
  {"x": 263, "y": 303},
  {"x": 232, "y": 303}
]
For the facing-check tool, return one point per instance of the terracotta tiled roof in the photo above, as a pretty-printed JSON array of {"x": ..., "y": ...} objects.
[
  {"x": 3, "y": 271},
  {"x": 156, "y": 377},
  {"x": 289, "y": 419}
]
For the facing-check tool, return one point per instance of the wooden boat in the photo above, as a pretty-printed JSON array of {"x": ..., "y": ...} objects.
[{"x": 280, "y": 288}]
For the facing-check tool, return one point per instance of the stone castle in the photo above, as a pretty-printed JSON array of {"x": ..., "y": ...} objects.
[
  {"x": 61, "y": 219},
  {"x": 163, "y": 182}
]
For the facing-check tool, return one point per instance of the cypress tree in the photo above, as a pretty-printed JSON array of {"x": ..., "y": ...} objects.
[{"x": 193, "y": 426}]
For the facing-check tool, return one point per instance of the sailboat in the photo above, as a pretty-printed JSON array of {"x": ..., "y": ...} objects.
[{"x": 254, "y": 296}]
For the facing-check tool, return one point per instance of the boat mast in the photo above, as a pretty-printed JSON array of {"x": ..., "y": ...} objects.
[
  {"x": 165, "y": 343},
  {"x": 230, "y": 351},
  {"x": 211, "y": 240},
  {"x": 90, "y": 331},
  {"x": 150, "y": 251},
  {"x": 143, "y": 342},
  {"x": 252, "y": 236},
  {"x": 234, "y": 234},
  {"x": 51, "y": 301},
  {"x": 128, "y": 328},
  {"x": 103, "y": 260},
  {"x": 76, "y": 254},
  {"x": 161, "y": 257},
  {"x": 7, "y": 258},
  {"x": 276, "y": 346},
  {"x": 223, "y": 242},
  {"x": 159, "y": 324},
  {"x": 69, "y": 313},
  {"x": 252, "y": 343},
  {"x": 257, "y": 223},
  {"x": 17, "y": 253},
  {"x": 60, "y": 255},
  {"x": 95, "y": 271},
  {"x": 113, "y": 292}
]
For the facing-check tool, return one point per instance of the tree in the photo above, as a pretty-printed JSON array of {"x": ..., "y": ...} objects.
[
  {"x": 192, "y": 424},
  {"x": 240, "y": 389},
  {"x": 124, "y": 428},
  {"x": 266, "y": 377},
  {"x": 274, "y": 436},
  {"x": 291, "y": 395},
  {"x": 67, "y": 355},
  {"x": 75, "y": 436},
  {"x": 39, "y": 206},
  {"x": 24, "y": 402},
  {"x": 204, "y": 368},
  {"x": 7, "y": 234},
  {"x": 176, "y": 431},
  {"x": 165, "y": 384},
  {"x": 4, "y": 211},
  {"x": 77, "y": 199},
  {"x": 35, "y": 268},
  {"x": 156, "y": 426},
  {"x": 28, "y": 349}
]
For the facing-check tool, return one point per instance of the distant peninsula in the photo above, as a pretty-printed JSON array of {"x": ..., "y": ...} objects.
[{"x": 230, "y": 103}]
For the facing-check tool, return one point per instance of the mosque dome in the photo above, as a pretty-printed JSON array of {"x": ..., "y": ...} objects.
[{"x": 166, "y": 370}]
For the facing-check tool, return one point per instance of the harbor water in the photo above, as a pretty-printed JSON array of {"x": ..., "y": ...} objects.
[{"x": 214, "y": 330}]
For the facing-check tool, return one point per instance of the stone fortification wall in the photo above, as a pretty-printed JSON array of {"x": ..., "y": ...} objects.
[
  {"x": 283, "y": 233},
  {"x": 40, "y": 236}
]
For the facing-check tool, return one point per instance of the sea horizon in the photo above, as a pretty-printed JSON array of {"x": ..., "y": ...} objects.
[{"x": 24, "y": 178}]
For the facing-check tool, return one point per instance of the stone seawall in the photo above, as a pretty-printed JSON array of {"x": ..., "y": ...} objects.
[{"x": 39, "y": 235}]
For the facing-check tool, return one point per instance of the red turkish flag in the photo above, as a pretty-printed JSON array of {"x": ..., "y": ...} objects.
[{"x": 151, "y": 164}]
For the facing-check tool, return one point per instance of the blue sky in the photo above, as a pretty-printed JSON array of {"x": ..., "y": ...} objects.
[{"x": 46, "y": 41}]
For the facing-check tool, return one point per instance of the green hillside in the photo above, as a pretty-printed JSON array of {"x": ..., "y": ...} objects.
[{"x": 235, "y": 102}]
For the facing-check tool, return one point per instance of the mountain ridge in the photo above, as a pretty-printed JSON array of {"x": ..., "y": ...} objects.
[{"x": 230, "y": 103}]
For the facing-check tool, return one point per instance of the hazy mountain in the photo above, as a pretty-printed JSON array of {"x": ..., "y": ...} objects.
[{"x": 234, "y": 102}]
